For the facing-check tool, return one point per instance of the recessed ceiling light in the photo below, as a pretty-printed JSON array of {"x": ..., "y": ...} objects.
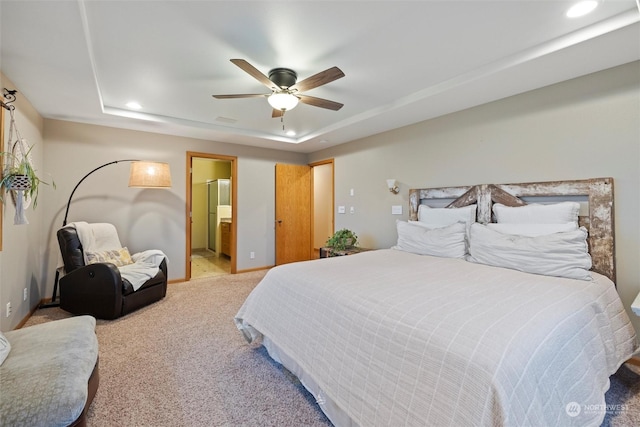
[
  {"x": 134, "y": 105},
  {"x": 291, "y": 133},
  {"x": 581, "y": 8}
]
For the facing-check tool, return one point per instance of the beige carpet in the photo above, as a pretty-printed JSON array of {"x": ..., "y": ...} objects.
[{"x": 182, "y": 362}]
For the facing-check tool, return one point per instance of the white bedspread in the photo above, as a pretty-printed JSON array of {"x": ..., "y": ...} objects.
[{"x": 392, "y": 338}]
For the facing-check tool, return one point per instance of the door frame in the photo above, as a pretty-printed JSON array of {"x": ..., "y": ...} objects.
[
  {"x": 333, "y": 197},
  {"x": 189, "y": 204}
]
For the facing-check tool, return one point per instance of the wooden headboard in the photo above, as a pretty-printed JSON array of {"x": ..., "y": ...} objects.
[{"x": 597, "y": 192}]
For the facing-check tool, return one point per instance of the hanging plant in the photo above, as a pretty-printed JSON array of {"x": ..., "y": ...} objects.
[{"x": 19, "y": 177}]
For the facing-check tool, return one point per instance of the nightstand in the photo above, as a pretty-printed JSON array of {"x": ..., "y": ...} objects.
[{"x": 329, "y": 252}]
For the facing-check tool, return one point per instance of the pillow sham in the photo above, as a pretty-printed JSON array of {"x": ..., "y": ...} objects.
[
  {"x": 532, "y": 230},
  {"x": 536, "y": 213},
  {"x": 446, "y": 242},
  {"x": 5, "y": 348},
  {"x": 119, "y": 257},
  {"x": 441, "y": 217},
  {"x": 561, "y": 254}
]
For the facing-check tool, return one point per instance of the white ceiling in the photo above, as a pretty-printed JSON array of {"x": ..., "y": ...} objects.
[{"x": 404, "y": 61}]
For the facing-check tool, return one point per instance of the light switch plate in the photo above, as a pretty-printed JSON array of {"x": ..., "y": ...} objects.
[
  {"x": 341, "y": 210},
  {"x": 396, "y": 210}
]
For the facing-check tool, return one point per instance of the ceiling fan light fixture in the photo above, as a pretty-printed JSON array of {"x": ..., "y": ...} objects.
[{"x": 283, "y": 101}]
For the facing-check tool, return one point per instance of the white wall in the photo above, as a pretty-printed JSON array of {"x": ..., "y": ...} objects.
[
  {"x": 21, "y": 258},
  {"x": 584, "y": 128},
  {"x": 154, "y": 218},
  {"x": 144, "y": 218}
]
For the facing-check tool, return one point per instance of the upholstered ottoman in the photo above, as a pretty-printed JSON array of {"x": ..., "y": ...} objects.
[{"x": 50, "y": 375}]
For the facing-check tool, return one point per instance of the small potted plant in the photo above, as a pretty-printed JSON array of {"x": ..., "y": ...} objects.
[
  {"x": 342, "y": 240},
  {"x": 18, "y": 175}
]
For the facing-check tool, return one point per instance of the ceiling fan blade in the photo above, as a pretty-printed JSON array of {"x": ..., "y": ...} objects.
[
  {"x": 319, "y": 102},
  {"x": 276, "y": 113},
  {"x": 322, "y": 78},
  {"x": 241, "y": 95},
  {"x": 255, "y": 73}
]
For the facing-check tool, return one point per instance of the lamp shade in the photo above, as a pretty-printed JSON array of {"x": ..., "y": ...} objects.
[
  {"x": 283, "y": 101},
  {"x": 150, "y": 175}
]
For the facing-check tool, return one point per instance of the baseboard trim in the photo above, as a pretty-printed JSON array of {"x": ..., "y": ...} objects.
[
  {"x": 28, "y": 316},
  {"x": 249, "y": 270}
]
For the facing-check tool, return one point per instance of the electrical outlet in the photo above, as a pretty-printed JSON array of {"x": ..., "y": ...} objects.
[
  {"x": 8, "y": 309},
  {"x": 252, "y": 255},
  {"x": 24, "y": 294}
]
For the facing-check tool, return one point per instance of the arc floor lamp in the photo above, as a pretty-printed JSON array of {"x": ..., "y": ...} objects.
[{"x": 142, "y": 174}]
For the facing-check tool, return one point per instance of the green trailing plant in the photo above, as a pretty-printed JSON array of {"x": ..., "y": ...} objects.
[
  {"x": 20, "y": 169},
  {"x": 342, "y": 239}
]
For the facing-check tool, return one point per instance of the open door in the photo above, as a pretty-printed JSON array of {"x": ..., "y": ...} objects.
[
  {"x": 293, "y": 213},
  {"x": 201, "y": 224}
]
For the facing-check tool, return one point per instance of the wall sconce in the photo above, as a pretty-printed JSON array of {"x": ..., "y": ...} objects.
[{"x": 391, "y": 183}]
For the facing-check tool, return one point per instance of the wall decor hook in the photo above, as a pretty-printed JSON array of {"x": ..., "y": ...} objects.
[{"x": 9, "y": 96}]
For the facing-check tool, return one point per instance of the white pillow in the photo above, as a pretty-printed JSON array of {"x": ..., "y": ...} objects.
[
  {"x": 441, "y": 217},
  {"x": 559, "y": 254},
  {"x": 5, "y": 347},
  {"x": 118, "y": 257},
  {"x": 532, "y": 230},
  {"x": 535, "y": 213},
  {"x": 446, "y": 242}
]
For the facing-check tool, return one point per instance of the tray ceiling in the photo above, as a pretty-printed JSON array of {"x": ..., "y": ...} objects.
[{"x": 404, "y": 61}]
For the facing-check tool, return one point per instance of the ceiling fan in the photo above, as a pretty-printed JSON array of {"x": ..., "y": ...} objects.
[{"x": 285, "y": 92}]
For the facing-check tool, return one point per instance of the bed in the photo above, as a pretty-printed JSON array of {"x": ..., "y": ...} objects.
[{"x": 437, "y": 332}]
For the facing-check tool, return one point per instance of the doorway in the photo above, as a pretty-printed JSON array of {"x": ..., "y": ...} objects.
[
  {"x": 211, "y": 213},
  {"x": 304, "y": 210},
  {"x": 323, "y": 204}
]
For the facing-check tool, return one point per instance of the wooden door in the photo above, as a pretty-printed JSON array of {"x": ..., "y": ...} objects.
[{"x": 293, "y": 213}]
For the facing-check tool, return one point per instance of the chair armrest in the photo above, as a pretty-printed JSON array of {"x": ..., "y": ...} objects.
[
  {"x": 163, "y": 268},
  {"x": 94, "y": 289}
]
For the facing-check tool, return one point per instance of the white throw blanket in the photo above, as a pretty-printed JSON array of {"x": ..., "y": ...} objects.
[
  {"x": 96, "y": 237},
  {"x": 99, "y": 237},
  {"x": 145, "y": 266}
]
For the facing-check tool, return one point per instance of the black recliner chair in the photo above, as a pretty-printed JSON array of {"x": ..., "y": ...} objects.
[{"x": 98, "y": 289}]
